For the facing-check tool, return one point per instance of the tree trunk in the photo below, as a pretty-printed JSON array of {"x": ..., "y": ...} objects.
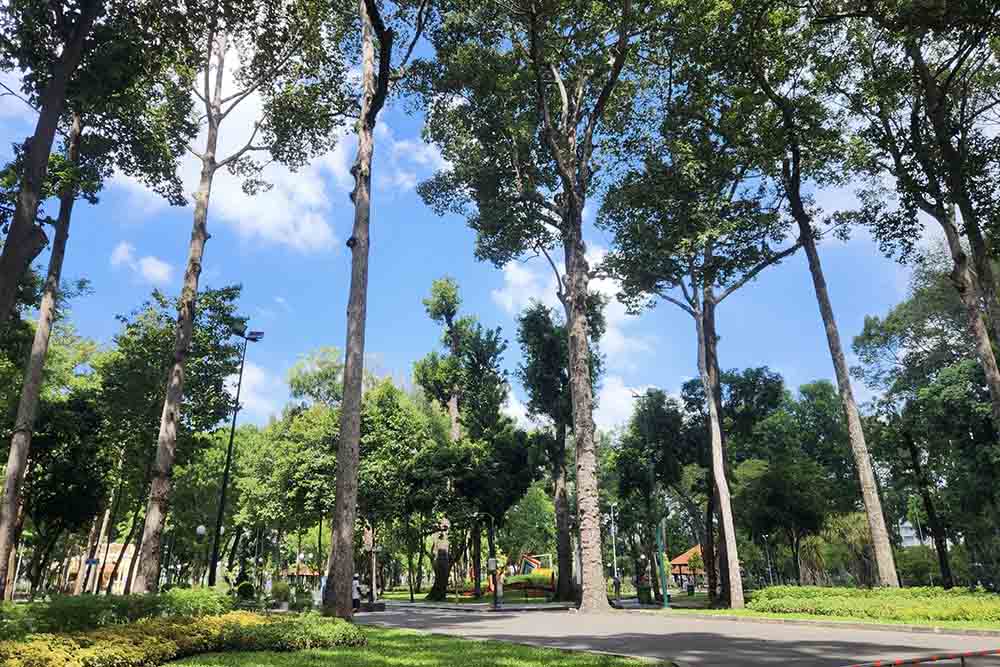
[
  {"x": 970, "y": 291},
  {"x": 25, "y": 239},
  {"x": 796, "y": 543},
  {"x": 234, "y": 548},
  {"x": 593, "y": 594},
  {"x": 121, "y": 553},
  {"x": 938, "y": 111},
  {"x": 564, "y": 543},
  {"x": 93, "y": 539},
  {"x": 654, "y": 573},
  {"x": 707, "y": 366},
  {"x": 477, "y": 559},
  {"x": 129, "y": 578},
  {"x": 862, "y": 459},
  {"x": 147, "y": 579},
  {"x": 708, "y": 555},
  {"x": 12, "y": 561},
  {"x": 337, "y": 596},
  {"x": 109, "y": 527},
  {"x": 27, "y": 409},
  {"x": 936, "y": 526}
]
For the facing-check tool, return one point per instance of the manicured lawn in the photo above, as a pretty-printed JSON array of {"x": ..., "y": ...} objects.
[
  {"x": 510, "y": 597},
  {"x": 749, "y": 613},
  {"x": 388, "y": 648}
]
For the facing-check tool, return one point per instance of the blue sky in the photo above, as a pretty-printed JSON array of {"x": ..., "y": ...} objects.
[{"x": 286, "y": 247}]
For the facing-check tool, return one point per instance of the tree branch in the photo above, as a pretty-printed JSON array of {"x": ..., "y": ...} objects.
[
  {"x": 752, "y": 273},
  {"x": 618, "y": 64}
]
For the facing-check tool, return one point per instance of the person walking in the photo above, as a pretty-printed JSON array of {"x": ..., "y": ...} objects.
[{"x": 356, "y": 593}]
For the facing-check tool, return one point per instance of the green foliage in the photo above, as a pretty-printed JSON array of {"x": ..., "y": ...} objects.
[
  {"x": 533, "y": 580},
  {"x": 319, "y": 377},
  {"x": 529, "y": 525},
  {"x": 157, "y": 641},
  {"x": 281, "y": 591},
  {"x": 65, "y": 613},
  {"x": 885, "y": 604}
]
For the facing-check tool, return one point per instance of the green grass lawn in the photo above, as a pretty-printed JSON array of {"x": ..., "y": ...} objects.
[
  {"x": 387, "y": 648},
  {"x": 509, "y": 597},
  {"x": 750, "y": 614}
]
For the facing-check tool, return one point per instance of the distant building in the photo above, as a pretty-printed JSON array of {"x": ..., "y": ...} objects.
[{"x": 911, "y": 537}]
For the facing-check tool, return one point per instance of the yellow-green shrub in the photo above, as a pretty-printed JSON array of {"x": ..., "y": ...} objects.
[
  {"x": 157, "y": 641},
  {"x": 880, "y": 604}
]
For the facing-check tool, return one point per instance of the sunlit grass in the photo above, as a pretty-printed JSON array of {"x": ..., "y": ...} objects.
[{"x": 389, "y": 648}]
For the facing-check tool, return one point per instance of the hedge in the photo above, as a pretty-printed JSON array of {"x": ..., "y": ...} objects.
[
  {"x": 64, "y": 613},
  {"x": 883, "y": 604},
  {"x": 159, "y": 640}
]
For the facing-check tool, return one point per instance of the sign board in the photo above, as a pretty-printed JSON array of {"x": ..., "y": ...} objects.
[
  {"x": 491, "y": 565},
  {"x": 92, "y": 561}
]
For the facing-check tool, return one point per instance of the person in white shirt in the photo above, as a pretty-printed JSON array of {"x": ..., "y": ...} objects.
[{"x": 356, "y": 593}]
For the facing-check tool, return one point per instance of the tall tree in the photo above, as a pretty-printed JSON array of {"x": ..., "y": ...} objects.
[
  {"x": 544, "y": 373},
  {"x": 773, "y": 51},
  {"x": 375, "y": 88},
  {"x": 289, "y": 58},
  {"x": 518, "y": 99},
  {"x": 444, "y": 378},
  {"x": 692, "y": 226},
  {"x": 139, "y": 130}
]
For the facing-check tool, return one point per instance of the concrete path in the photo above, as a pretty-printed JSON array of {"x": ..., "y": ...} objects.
[{"x": 689, "y": 641}]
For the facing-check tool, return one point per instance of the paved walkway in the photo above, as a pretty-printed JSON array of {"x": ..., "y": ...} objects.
[{"x": 689, "y": 641}]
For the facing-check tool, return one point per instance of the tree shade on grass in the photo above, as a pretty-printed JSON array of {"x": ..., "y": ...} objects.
[{"x": 387, "y": 648}]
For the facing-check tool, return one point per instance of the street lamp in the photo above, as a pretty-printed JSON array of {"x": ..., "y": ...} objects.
[
  {"x": 199, "y": 537},
  {"x": 247, "y": 337},
  {"x": 614, "y": 541}
]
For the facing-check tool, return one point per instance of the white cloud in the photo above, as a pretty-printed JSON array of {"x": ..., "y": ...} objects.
[
  {"x": 614, "y": 402},
  {"x": 524, "y": 283},
  {"x": 294, "y": 211},
  {"x": 151, "y": 269},
  {"x": 262, "y": 393},
  {"x": 124, "y": 253},
  {"x": 155, "y": 270},
  {"x": 518, "y": 411}
]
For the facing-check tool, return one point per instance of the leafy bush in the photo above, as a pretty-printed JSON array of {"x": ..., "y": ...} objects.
[
  {"x": 160, "y": 640},
  {"x": 65, "y": 613},
  {"x": 281, "y": 591},
  {"x": 303, "y": 599},
  {"x": 883, "y": 604},
  {"x": 246, "y": 592},
  {"x": 195, "y": 602}
]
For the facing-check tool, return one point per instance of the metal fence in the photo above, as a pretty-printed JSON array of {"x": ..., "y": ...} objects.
[{"x": 966, "y": 658}]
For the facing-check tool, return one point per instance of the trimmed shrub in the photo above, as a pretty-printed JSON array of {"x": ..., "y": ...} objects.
[
  {"x": 67, "y": 613},
  {"x": 160, "y": 640},
  {"x": 281, "y": 591},
  {"x": 918, "y": 604}
]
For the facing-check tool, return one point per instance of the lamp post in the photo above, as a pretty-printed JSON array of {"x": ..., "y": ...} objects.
[
  {"x": 199, "y": 537},
  {"x": 247, "y": 338},
  {"x": 614, "y": 541}
]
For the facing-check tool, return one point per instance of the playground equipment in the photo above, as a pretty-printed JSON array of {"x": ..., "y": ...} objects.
[{"x": 533, "y": 572}]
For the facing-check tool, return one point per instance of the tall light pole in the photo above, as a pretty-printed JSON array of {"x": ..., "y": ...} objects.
[
  {"x": 247, "y": 337},
  {"x": 614, "y": 542}
]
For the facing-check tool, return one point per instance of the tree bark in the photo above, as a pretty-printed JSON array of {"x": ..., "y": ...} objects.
[
  {"x": 477, "y": 559},
  {"x": 12, "y": 561},
  {"x": 337, "y": 595},
  {"x": 866, "y": 474},
  {"x": 121, "y": 553},
  {"x": 933, "y": 519},
  {"x": 93, "y": 538},
  {"x": 708, "y": 555},
  {"x": 25, "y": 239},
  {"x": 969, "y": 288},
  {"x": 148, "y": 575},
  {"x": 27, "y": 409},
  {"x": 708, "y": 368},
  {"x": 109, "y": 526},
  {"x": 129, "y": 578},
  {"x": 564, "y": 543},
  {"x": 593, "y": 595}
]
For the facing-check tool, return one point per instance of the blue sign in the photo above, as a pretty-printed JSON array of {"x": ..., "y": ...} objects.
[{"x": 92, "y": 561}]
